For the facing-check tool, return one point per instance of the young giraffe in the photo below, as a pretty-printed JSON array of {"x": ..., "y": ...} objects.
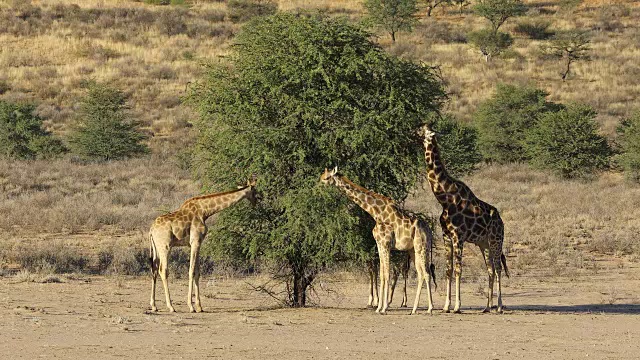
[
  {"x": 465, "y": 218},
  {"x": 399, "y": 265},
  {"x": 394, "y": 229},
  {"x": 186, "y": 227}
]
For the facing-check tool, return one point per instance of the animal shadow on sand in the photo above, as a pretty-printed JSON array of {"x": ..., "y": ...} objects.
[{"x": 625, "y": 309}]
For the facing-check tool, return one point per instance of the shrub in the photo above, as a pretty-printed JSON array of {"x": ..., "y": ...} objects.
[
  {"x": 245, "y": 10},
  {"x": 629, "y": 147},
  {"x": 537, "y": 30},
  {"x": 22, "y": 135},
  {"x": 171, "y": 22},
  {"x": 458, "y": 146},
  {"x": 567, "y": 142},
  {"x": 105, "y": 130},
  {"x": 503, "y": 120},
  {"x": 489, "y": 43}
]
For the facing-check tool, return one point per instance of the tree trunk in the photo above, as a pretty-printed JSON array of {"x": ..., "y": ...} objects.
[
  {"x": 566, "y": 72},
  {"x": 299, "y": 289},
  {"x": 429, "y": 9},
  {"x": 393, "y": 36}
]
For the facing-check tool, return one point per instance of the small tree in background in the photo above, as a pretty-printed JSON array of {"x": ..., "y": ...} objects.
[
  {"x": 458, "y": 145},
  {"x": 392, "y": 15},
  {"x": 489, "y": 43},
  {"x": 503, "y": 120},
  {"x": 499, "y": 11},
  {"x": 22, "y": 135},
  {"x": 629, "y": 147},
  {"x": 303, "y": 93},
  {"x": 432, "y": 4},
  {"x": 571, "y": 46},
  {"x": 567, "y": 142},
  {"x": 105, "y": 129},
  {"x": 461, "y": 4}
]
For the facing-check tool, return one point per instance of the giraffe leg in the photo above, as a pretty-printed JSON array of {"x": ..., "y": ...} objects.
[
  {"x": 457, "y": 253},
  {"x": 163, "y": 269},
  {"x": 196, "y": 283},
  {"x": 448, "y": 245},
  {"x": 498, "y": 267},
  {"x": 372, "y": 287},
  {"x": 486, "y": 254},
  {"x": 385, "y": 274},
  {"x": 195, "y": 247},
  {"x": 405, "y": 275},
  {"x": 394, "y": 281}
]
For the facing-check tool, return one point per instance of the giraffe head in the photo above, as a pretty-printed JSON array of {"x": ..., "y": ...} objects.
[
  {"x": 327, "y": 176},
  {"x": 251, "y": 194},
  {"x": 428, "y": 134}
]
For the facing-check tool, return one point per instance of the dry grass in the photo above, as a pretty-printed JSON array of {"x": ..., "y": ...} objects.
[{"x": 152, "y": 52}]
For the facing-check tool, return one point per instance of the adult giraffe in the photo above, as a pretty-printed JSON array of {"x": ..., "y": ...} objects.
[
  {"x": 186, "y": 227},
  {"x": 394, "y": 229},
  {"x": 464, "y": 218}
]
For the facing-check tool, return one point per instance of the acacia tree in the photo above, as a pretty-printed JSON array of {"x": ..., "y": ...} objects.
[
  {"x": 300, "y": 93},
  {"x": 499, "y": 11},
  {"x": 432, "y": 4},
  {"x": 571, "y": 46},
  {"x": 392, "y": 15}
]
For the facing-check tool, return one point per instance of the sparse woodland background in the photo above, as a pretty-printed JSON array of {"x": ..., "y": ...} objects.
[{"x": 67, "y": 214}]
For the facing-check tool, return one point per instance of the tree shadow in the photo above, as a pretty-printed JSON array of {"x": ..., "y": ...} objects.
[{"x": 628, "y": 309}]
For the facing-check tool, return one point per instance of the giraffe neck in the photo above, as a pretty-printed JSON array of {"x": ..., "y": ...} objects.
[
  {"x": 208, "y": 205},
  {"x": 369, "y": 201},
  {"x": 441, "y": 182}
]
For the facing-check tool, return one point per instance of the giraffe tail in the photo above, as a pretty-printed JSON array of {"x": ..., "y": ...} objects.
[
  {"x": 432, "y": 271},
  {"x": 503, "y": 260},
  {"x": 152, "y": 253}
]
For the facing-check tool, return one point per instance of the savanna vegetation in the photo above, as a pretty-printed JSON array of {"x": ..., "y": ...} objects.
[{"x": 113, "y": 113}]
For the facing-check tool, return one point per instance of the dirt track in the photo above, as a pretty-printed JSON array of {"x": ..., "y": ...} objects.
[{"x": 589, "y": 316}]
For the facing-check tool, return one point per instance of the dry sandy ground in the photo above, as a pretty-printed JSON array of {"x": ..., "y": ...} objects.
[{"x": 586, "y": 316}]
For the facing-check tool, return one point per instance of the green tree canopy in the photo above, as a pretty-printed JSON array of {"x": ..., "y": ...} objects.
[
  {"x": 105, "y": 129},
  {"x": 567, "y": 142},
  {"x": 300, "y": 93},
  {"x": 499, "y": 11},
  {"x": 392, "y": 15},
  {"x": 22, "y": 135},
  {"x": 504, "y": 119},
  {"x": 629, "y": 147}
]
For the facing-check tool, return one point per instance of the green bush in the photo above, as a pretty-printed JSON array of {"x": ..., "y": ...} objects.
[
  {"x": 502, "y": 121},
  {"x": 537, "y": 30},
  {"x": 22, "y": 135},
  {"x": 105, "y": 130},
  {"x": 567, "y": 142},
  {"x": 489, "y": 43},
  {"x": 629, "y": 147},
  {"x": 458, "y": 146},
  {"x": 245, "y": 10}
]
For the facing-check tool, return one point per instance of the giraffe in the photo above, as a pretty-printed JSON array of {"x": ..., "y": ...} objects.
[
  {"x": 465, "y": 218},
  {"x": 186, "y": 227},
  {"x": 394, "y": 229},
  {"x": 399, "y": 266}
]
